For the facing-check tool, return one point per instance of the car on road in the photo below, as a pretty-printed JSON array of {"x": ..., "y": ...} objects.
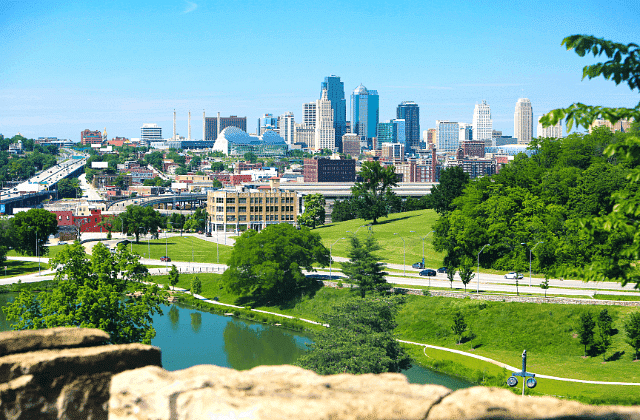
[
  {"x": 165, "y": 259},
  {"x": 428, "y": 272},
  {"x": 442, "y": 270},
  {"x": 418, "y": 265},
  {"x": 513, "y": 275}
]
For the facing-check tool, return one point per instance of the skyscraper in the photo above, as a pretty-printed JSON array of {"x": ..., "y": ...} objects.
[
  {"x": 553, "y": 131},
  {"x": 365, "y": 112},
  {"x": 266, "y": 122},
  {"x": 286, "y": 127},
  {"x": 392, "y": 131},
  {"x": 447, "y": 135},
  {"x": 482, "y": 122},
  {"x": 211, "y": 125},
  {"x": 523, "y": 121},
  {"x": 410, "y": 113},
  {"x": 335, "y": 94},
  {"x": 325, "y": 136},
  {"x": 309, "y": 114}
]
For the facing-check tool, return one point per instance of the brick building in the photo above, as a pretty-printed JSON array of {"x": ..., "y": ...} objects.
[
  {"x": 329, "y": 170},
  {"x": 90, "y": 137}
]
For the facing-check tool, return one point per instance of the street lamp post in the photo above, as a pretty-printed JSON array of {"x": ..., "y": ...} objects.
[
  {"x": 404, "y": 255},
  {"x": 478, "y": 275},
  {"x": 331, "y": 256},
  {"x": 530, "y": 251},
  {"x": 166, "y": 246}
]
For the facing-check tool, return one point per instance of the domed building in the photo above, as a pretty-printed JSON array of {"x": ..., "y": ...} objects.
[{"x": 233, "y": 141}]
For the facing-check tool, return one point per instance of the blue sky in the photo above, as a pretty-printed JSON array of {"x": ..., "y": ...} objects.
[{"x": 67, "y": 66}]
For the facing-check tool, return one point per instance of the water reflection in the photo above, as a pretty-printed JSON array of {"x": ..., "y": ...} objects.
[
  {"x": 174, "y": 317},
  {"x": 248, "y": 346},
  {"x": 196, "y": 321}
]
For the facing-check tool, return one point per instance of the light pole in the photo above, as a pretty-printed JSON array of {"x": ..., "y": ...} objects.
[
  {"x": 331, "y": 256},
  {"x": 37, "y": 255},
  {"x": 478, "y": 275},
  {"x": 404, "y": 255},
  {"x": 166, "y": 246},
  {"x": 530, "y": 251}
]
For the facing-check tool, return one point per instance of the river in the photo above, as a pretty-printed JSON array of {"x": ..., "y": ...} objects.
[{"x": 190, "y": 337}]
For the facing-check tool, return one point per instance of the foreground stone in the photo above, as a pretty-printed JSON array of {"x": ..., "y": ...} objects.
[
  {"x": 61, "y": 379},
  {"x": 288, "y": 392}
]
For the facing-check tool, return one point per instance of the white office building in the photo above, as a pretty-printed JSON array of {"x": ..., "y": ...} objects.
[
  {"x": 553, "y": 131},
  {"x": 150, "y": 132},
  {"x": 482, "y": 122},
  {"x": 325, "y": 135},
  {"x": 309, "y": 114},
  {"x": 523, "y": 121},
  {"x": 286, "y": 127}
]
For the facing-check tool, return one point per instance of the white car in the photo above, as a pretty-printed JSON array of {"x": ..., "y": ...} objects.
[{"x": 513, "y": 275}]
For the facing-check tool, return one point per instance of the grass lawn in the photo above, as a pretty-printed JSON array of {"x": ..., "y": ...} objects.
[
  {"x": 181, "y": 248},
  {"x": 52, "y": 252},
  {"x": 18, "y": 268},
  {"x": 421, "y": 222}
]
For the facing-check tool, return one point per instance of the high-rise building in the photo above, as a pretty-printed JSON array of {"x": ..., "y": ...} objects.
[
  {"x": 211, "y": 125},
  {"x": 410, "y": 112},
  {"x": 325, "y": 136},
  {"x": 335, "y": 94},
  {"x": 309, "y": 114},
  {"x": 523, "y": 121},
  {"x": 351, "y": 145},
  {"x": 365, "y": 112},
  {"x": 286, "y": 127},
  {"x": 267, "y": 122},
  {"x": 150, "y": 132},
  {"x": 466, "y": 132},
  {"x": 482, "y": 122},
  {"x": 392, "y": 131},
  {"x": 447, "y": 135},
  {"x": 623, "y": 125},
  {"x": 553, "y": 131},
  {"x": 304, "y": 134}
]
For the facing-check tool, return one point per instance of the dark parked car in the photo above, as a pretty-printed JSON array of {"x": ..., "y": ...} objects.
[
  {"x": 442, "y": 270},
  {"x": 165, "y": 259},
  {"x": 428, "y": 272},
  {"x": 418, "y": 265}
]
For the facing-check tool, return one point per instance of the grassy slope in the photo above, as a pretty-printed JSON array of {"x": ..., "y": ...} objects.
[{"x": 180, "y": 248}]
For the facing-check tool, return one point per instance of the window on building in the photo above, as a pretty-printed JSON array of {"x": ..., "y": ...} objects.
[
  {"x": 242, "y": 200},
  {"x": 242, "y": 218},
  {"x": 231, "y": 218},
  {"x": 219, "y": 218},
  {"x": 242, "y": 209},
  {"x": 219, "y": 199},
  {"x": 231, "y": 200},
  {"x": 220, "y": 209},
  {"x": 231, "y": 209}
]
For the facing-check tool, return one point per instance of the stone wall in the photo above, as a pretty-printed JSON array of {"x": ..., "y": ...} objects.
[
  {"x": 63, "y": 373},
  {"x": 288, "y": 392},
  {"x": 72, "y": 373}
]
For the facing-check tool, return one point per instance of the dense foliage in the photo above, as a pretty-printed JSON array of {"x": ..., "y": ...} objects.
[
  {"x": 268, "y": 264},
  {"x": 543, "y": 198},
  {"x": 363, "y": 268},
  {"x": 359, "y": 339},
  {"x": 31, "y": 229},
  {"x": 373, "y": 195},
  {"x": 90, "y": 293},
  {"x": 314, "y": 213}
]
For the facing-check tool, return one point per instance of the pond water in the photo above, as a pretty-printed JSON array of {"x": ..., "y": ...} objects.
[{"x": 190, "y": 337}]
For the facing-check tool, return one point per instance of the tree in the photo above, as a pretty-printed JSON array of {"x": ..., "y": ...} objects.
[
  {"x": 343, "y": 210},
  {"x": 269, "y": 263},
  {"x": 142, "y": 219},
  {"x": 250, "y": 157},
  {"x": 314, "y": 213},
  {"x": 453, "y": 180},
  {"x": 586, "y": 327},
  {"x": 363, "y": 268},
  {"x": 90, "y": 293},
  {"x": 604, "y": 332},
  {"x": 632, "y": 329},
  {"x": 622, "y": 66},
  {"x": 30, "y": 224},
  {"x": 174, "y": 276},
  {"x": 545, "y": 285},
  {"x": 466, "y": 272},
  {"x": 68, "y": 188},
  {"x": 217, "y": 166},
  {"x": 459, "y": 325},
  {"x": 371, "y": 194},
  {"x": 359, "y": 339},
  {"x": 451, "y": 272},
  {"x": 196, "y": 286}
]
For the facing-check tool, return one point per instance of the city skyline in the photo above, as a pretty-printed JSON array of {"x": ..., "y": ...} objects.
[{"x": 90, "y": 65}]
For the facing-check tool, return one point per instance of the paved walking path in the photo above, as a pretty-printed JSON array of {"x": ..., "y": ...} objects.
[{"x": 514, "y": 369}]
